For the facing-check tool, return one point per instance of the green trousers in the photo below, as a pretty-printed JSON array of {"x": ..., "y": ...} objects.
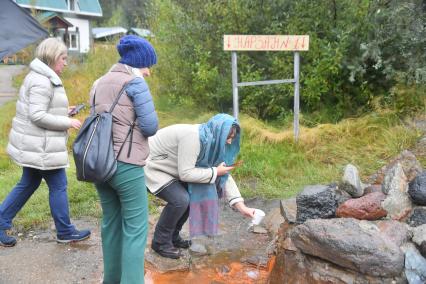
[{"x": 124, "y": 224}]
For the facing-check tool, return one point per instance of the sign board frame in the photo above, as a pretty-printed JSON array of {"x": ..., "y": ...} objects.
[{"x": 293, "y": 43}]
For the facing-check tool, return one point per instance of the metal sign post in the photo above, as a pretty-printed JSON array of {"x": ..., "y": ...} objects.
[
  {"x": 267, "y": 43},
  {"x": 234, "y": 84},
  {"x": 296, "y": 96}
]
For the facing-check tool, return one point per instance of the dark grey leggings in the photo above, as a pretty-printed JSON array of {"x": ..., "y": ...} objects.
[{"x": 174, "y": 215}]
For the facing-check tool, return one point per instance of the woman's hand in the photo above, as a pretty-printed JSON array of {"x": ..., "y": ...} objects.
[
  {"x": 75, "y": 123},
  {"x": 222, "y": 169},
  {"x": 246, "y": 211}
]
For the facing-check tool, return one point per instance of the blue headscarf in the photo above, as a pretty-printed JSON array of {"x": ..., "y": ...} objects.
[{"x": 204, "y": 206}]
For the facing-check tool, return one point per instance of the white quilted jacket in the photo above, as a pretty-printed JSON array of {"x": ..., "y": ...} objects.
[{"x": 38, "y": 138}]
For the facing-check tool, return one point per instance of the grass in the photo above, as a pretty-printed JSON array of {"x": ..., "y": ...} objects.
[{"x": 275, "y": 166}]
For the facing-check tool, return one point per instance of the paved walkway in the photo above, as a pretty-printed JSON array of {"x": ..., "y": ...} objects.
[{"x": 7, "y": 92}]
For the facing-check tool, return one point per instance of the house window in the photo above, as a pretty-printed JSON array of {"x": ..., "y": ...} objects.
[{"x": 73, "y": 41}]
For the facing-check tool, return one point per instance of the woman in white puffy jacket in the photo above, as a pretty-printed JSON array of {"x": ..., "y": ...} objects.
[{"x": 38, "y": 142}]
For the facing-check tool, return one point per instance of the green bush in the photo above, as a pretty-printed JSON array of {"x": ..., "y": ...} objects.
[{"x": 359, "y": 51}]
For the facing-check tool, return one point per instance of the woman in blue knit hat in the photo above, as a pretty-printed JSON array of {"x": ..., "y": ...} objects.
[
  {"x": 124, "y": 197},
  {"x": 189, "y": 167}
]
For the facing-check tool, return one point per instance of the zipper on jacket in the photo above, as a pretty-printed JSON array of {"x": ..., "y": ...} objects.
[{"x": 88, "y": 144}]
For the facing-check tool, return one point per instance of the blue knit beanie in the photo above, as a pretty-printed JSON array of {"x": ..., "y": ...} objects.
[{"x": 136, "y": 52}]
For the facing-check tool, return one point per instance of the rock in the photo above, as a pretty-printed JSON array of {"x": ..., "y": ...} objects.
[
  {"x": 256, "y": 260},
  {"x": 415, "y": 266},
  {"x": 315, "y": 201},
  {"x": 351, "y": 182},
  {"x": 198, "y": 249},
  {"x": 294, "y": 267},
  {"x": 419, "y": 238},
  {"x": 409, "y": 163},
  {"x": 394, "y": 179},
  {"x": 345, "y": 242},
  {"x": 340, "y": 195},
  {"x": 367, "y": 207},
  {"x": 418, "y": 217},
  {"x": 288, "y": 245},
  {"x": 394, "y": 231},
  {"x": 288, "y": 209},
  {"x": 373, "y": 188},
  {"x": 223, "y": 269},
  {"x": 273, "y": 220},
  {"x": 397, "y": 203},
  {"x": 259, "y": 230},
  {"x": 164, "y": 264},
  {"x": 417, "y": 189},
  {"x": 253, "y": 274}
]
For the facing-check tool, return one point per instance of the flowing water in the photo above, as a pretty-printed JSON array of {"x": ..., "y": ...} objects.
[{"x": 222, "y": 268}]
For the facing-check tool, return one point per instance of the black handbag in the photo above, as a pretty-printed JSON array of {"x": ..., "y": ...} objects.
[{"x": 93, "y": 147}]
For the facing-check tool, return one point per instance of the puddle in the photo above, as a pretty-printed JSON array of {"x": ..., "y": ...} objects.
[
  {"x": 225, "y": 267},
  {"x": 237, "y": 255}
]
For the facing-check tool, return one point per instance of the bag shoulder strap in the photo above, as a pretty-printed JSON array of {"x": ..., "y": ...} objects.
[
  {"x": 115, "y": 101},
  {"x": 117, "y": 98},
  {"x": 130, "y": 132}
]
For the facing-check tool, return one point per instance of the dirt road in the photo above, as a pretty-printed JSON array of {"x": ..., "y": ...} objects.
[{"x": 37, "y": 258}]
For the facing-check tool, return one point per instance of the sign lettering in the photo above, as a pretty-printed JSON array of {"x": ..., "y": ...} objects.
[{"x": 266, "y": 42}]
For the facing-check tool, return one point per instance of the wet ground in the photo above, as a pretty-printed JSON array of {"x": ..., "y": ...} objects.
[{"x": 237, "y": 255}]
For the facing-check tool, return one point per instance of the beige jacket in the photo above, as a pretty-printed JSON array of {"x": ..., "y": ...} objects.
[
  {"x": 38, "y": 138},
  {"x": 140, "y": 110},
  {"x": 174, "y": 153}
]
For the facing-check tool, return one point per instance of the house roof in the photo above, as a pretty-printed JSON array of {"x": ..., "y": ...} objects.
[
  {"x": 52, "y": 4},
  {"x": 85, "y": 7},
  {"x": 142, "y": 32},
  {"x": 107, "y": 31},
  {"x": 91, "y": 6},
  {"x": 49, "y": 16}
]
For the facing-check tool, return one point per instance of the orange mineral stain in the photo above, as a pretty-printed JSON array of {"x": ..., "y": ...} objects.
[{"x": 234, "y": 272}]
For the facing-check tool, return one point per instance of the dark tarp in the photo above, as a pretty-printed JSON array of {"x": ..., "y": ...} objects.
[{"x": 18, "y": 28}]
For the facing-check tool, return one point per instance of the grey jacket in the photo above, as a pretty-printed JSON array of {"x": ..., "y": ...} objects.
[
  {"x": 38, "y": 138},
  {"x": 174, "y": 153}
]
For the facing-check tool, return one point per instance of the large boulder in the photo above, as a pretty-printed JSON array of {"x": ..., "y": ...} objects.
[
  {"x": 316, "y": 201},
  {"x": 367, "y": 207},
  {"x": 348, "y": 243},
  {"x": 294, "y": 267},
  {"x": 417, "y": 189}
]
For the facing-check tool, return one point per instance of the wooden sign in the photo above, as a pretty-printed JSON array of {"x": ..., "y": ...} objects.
[{"x": 266, "y": 42}]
